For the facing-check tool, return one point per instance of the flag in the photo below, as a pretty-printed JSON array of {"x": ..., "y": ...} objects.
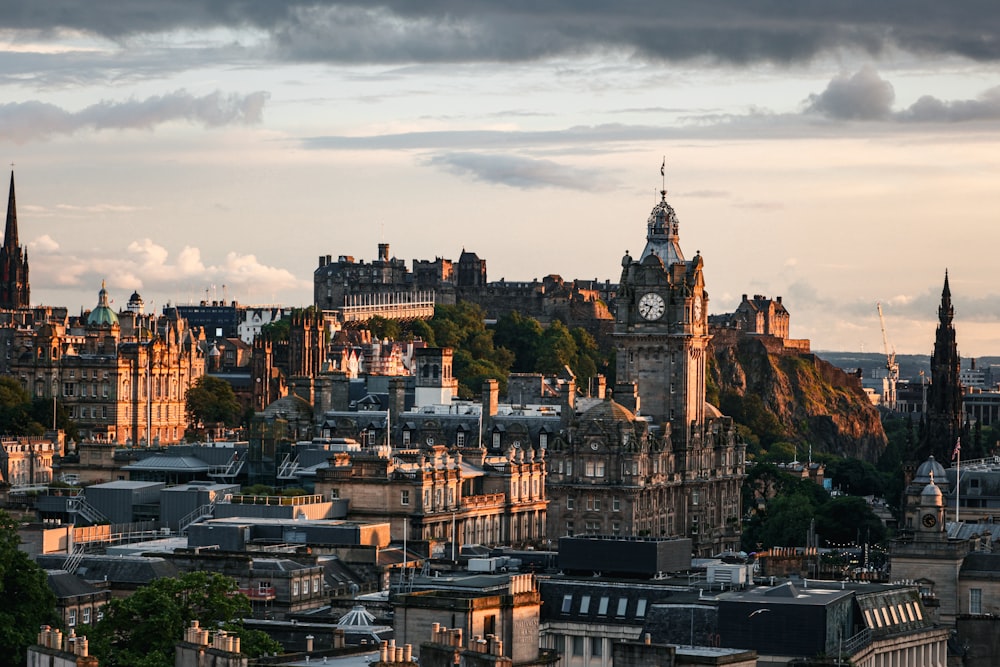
[
  {"x": 958, "y": 449},
  {"x": 663, "y": 167}
]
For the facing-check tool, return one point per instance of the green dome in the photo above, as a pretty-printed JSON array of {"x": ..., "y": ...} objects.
[{"x": 102, "y": 315}]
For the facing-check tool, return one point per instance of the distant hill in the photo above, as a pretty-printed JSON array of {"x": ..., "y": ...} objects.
[
  {"x": 910, "y": 365},
  {"x": 796, "y": 397}
]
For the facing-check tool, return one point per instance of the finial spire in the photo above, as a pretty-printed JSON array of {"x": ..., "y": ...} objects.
[
  {"x": 10, "y": 239},
  {"x": 663, "y": 177}
]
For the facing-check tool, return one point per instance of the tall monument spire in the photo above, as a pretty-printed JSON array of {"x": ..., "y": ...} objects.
[
  {"x": 14, "y": 286},
  {"x": 944, "y": 397},
  {"x": 10, "y": 231}
]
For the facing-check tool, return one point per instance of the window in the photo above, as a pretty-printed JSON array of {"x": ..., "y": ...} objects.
[
  {"x": 616, "y": 504},
  {"x": 640, "y": 609},
  {"x": 569, "y": 467},
  {"x": 567, "y": 603},
  {"x": 404, "y": 497},
  {"x": 597, "y": 504},
  {"x": 406, "y": 438},
  {"x": 315, "y": 584},
  {"x": 496, "y": 439},
  {"x": 543, "y": 440},
  {"x": 622, "y": 606},
  {"x": 295, "y": 587},
  {"x": 585, "y": 604},
  {"x": 597, "y": 646},
  {"x": 86, "y": 615},
  {"x": 602, "y": 606},
  {"x": 588, "y": 469},
  {"x": 694, "y": 497},
  {"x": 975, "y": 600},
  {"x": 334, "y": 494},
  {"x": 577, "y": 646},
  {"x": 460, "y": 438},
  {"x": 569, "y": 502},
  {"x": 72, "y": 618},
  {"x": 616, "y": 528}
]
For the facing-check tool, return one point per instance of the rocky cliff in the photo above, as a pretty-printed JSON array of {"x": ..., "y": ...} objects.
[{"x": 787, "y": 395}]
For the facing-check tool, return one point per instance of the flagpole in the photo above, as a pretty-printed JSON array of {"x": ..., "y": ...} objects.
[{"x": 958, "y": 473}]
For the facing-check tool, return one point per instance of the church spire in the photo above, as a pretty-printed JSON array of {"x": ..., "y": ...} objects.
[
  {"x": 14, "y": 286},
  {"x": 10, "y": 240}
]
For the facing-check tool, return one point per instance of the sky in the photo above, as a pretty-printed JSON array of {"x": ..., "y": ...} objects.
[{"x": 835, "y": 154}]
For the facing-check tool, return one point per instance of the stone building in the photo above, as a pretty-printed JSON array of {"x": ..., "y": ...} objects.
[
  {"x": 443, "y": 494},
  {"x": 27, "y": 460},
  {"x": 683, "y": 463},
  {"x": 762, "y": 315},
  {"x": 924, "y": 553},
  {"x": 123, "y": 377}
]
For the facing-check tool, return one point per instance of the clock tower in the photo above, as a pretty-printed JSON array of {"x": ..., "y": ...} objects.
[{"x": 661, "y": 329}]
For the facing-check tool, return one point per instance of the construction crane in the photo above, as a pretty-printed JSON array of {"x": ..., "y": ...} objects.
[{"x": 891, "y": 366}]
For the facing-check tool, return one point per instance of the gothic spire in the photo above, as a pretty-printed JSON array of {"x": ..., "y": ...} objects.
[
  {"x": 946, "y": 312},
  {"x": 10, "y": 240}
]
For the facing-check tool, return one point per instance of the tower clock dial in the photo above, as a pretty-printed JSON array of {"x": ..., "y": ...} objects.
[
  {"x": 929, "y": 520},
  {"x": 697, "y": 309},
  {"x": 651, "y": 306}
]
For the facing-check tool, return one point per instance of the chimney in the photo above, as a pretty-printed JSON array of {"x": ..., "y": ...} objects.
[
  {"x": 601, "y": 386},
  {"x": 491, "y": 399},
  {"x": 383, "y": 252}
]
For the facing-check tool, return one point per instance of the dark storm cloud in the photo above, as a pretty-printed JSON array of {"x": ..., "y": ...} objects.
[
  {"x": 520, "y": 172},
  {"x": 519, "y": 30},
  {"x": 24, "y": 121}
]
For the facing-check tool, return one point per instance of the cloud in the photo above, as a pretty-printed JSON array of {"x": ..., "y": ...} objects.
[
  {"x": 929, "y": 109},
  {"x": 24, "y": 121},
  {"x": 147, "y": 265},
  {"x": 395, "y": 31},
  {"x": 520, "y": 172},
  {"x": 862, "y": 96}
]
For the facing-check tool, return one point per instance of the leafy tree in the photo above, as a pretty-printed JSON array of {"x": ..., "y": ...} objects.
[
  {"x": 522, "y": 336},
  {"x": 383, "y": 328},
  {"x": 211, "y": 401},
  {"x": 557, "y": 349},
  {"x": 30, "y": 602},
  {"x": 855, "y": 477},
  {"x": 15, "y": 409},
  {"x": 279, "y": 330},
  {"x": 848, "y": 519},
  {"x": 462, "y": 327},
  {"x": 41, "y": 412},
  {"x": 141, "y": 630}
]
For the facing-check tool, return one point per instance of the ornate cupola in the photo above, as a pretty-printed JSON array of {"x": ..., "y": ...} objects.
[{"x": 102, "y": 315}]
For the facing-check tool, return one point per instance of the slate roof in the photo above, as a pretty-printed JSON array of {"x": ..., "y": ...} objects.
[
  {"x": 117, "y": 570},
  {"x": 66, "y": 585},
  {"x": 605, "y": 601},
  {"x": 981, "y": 566},
  {"x": 167, "y": 462}
]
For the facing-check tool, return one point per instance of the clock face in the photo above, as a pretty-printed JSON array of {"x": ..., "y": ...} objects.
[
  {"x": 593, "y": 446},
  {"x": 651, "y": 306},
  {"x": 929, "y": 520},
  {"x": 697, "y": 309}
]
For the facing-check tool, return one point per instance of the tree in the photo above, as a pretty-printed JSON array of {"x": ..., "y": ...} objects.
[
  {"x": 15, "y": 409},
  {"x": 212, "y": 401},
  {"x": 848, "y": 519},
  {"x": 30, "y": 602},
  {"x": 522, "y": 336},
  {"x": 141, "y": 630}
]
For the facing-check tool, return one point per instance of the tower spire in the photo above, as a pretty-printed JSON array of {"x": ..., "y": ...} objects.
[
  {"x": 14, "y": 286},
  {"x": 10, "y": 240}
]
